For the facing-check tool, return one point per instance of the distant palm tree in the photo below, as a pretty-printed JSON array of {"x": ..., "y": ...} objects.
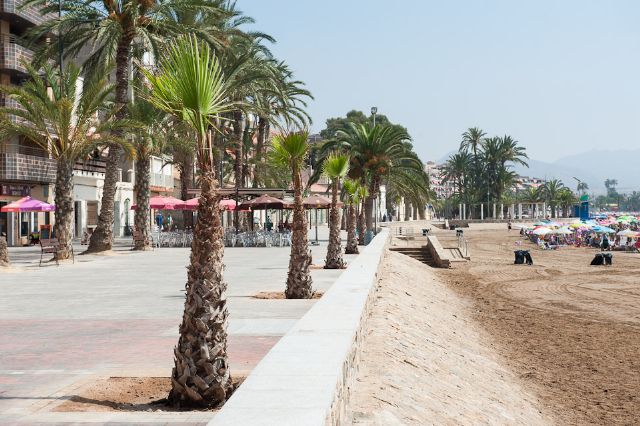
[
  {"x": 551, "y": 191},
  {"x": 335, "y": 167},
  {"x": 190, "y": 86},
  {"x": 55, "y": 116},
  {"x": 292, "y": 151},
  {"x": 148, "y": 140},
  {"x": 351, "y": 189},
  {"x": 583, "y": 187}
]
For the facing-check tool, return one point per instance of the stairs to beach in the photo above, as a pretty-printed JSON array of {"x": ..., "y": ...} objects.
[{"x": 421, "y": 254}]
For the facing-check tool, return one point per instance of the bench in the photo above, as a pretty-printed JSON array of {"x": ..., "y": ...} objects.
[{"x": 52, "y": 246}]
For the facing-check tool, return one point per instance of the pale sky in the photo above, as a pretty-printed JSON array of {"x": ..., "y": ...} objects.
[{"x": 561, "y": 77}]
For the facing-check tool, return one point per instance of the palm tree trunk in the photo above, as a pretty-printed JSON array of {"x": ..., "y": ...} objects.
[
  {"x": 64, "y": 206},
  {"x": 343, "y": 219},
  {"x": 352, "y": 241},
  {"x": 141, "y": 217},
  {"x": 102, "y": 237},
  {"x": 237, "y": 135},
  {"x": 362, "y": 228},
  {"x": 186, "y": 179},
  {"x": 262, "y": 125},
  {"x": 334, "y": 250},
  {"x": 4, "y": 252},
  {"x": 201, "y": 375},
  {"x": 299, "y": 282}
]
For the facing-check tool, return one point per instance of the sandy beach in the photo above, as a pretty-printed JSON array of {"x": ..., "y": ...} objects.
[{"x": 556, "y": 342}]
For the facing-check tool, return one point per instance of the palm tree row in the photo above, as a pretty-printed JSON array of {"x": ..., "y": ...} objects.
[
  {"x": 377, "y": 155},
  {"x": 482, "y": 169},
  {"x": 262, "y": 89}
]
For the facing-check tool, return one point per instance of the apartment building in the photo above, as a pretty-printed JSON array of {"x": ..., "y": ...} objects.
[{"x": 25, "y": 169}]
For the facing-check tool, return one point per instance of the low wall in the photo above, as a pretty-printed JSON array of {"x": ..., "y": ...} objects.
[
  {"x": 306, "y": 377},
  {"x": 437, "y": 252}
]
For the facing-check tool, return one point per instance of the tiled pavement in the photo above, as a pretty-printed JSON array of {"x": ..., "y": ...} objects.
[{"x": 118, "y": 315}]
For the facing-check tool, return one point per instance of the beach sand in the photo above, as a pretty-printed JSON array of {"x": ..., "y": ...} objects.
[
  {"x": 424, "y": 360},
  {"x": 492, "y": 342},
  {"x": 570, "y": 331}
]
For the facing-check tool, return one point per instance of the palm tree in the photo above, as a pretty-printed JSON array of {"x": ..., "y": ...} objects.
[
  {"x": 335, "y": 168},
  {"x": 190, "y": 86},
  {"x": 351, "y": 189},
  {"x": 115, "y": 31},
  {"x": 52, "y": 114},
  {"x": 582, "y": 187},
  {"x": 291, "y": 151},
  {"x": 566, "y": 199},
  {"x": 551, "y": 191},
  {"x": 362, "y": 195},
  {"x": 377, "y": 153},
  {"x": 148, "y": 140}
]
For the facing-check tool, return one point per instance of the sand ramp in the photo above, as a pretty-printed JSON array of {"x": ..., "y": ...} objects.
[{"x": 425, "y": 362}]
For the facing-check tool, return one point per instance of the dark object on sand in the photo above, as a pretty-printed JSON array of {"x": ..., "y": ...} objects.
[
  {"x": 608, "y": 258},
  {"x": 523, "y": 256},
  {"x": 598, "y": 259}
]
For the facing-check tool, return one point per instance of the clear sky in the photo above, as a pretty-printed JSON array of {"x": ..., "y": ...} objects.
[{"x": 561, "y": 77}]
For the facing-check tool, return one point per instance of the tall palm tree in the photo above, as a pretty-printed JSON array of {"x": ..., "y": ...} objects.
[
  {"x": 52, "y": 114},
  {"x": 190, "y": 86},
  {"x": 362, "y": 194},
  {"x": 148, "y": 140},
  {"x": 457, "y": 169},
  {"x": 352, "y": 192},
  {"x": 335, "y": 168},
  {"x": 291, "y": 151},
  {"x": 583, "y": 187},
  {"x": 115, "y": 32},
  {"x": 377, "y": 153}
]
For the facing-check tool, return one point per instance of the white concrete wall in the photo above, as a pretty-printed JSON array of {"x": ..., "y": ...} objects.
[{"x": 305, "y": 378}]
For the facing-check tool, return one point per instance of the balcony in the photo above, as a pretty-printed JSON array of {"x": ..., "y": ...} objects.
[
  {"x": 23, "y": 17},
  {"x": 91, "y": 166},
  {"x": 27, "y": 168},
  {"x": 13, "y": 55},
  {"x": 161, "y": 181}
]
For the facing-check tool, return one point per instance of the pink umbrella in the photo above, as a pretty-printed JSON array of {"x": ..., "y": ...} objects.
[
  {"x": 28, "y": 204},
  {"x": 160, "y": 202},
  {"x": 192, "y": 204}
]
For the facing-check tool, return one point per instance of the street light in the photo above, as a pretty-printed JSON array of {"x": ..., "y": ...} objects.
[{"x": 374, "y": 111}]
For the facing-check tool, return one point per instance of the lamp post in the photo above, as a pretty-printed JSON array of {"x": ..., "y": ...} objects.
[{"x": 374, "y": 111}]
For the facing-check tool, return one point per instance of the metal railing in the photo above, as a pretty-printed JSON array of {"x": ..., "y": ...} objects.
[
  {"x": 463, "y": 245},
  {"x": 161, "y": 180}
]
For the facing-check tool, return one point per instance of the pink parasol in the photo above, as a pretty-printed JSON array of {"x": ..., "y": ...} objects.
[
  {"x": 193, "y": 203},
  {"x": 28, "y": 204},
  {"x": 160, "y": 202}
]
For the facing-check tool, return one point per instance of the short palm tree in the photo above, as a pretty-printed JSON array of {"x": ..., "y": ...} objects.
[
  {"x": 190, "y": 86},
  {"x": 552, "y": 190},
  {"x": 361, "y": 225},
  {"x": 147, "y": 141},
  {"x": 335, "y": 167},
  {"x": 352, "y": 192},
  {"x": 53, "y": 114},
  {"x": 291, "y": 151}
]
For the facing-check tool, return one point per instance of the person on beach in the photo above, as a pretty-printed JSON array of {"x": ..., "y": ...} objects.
[{"x": 509, "y": 226}]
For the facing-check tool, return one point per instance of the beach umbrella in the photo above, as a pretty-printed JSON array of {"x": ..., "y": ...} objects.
[
  {"x": 553, "y": 225},
  {"x": 540, "y": 224},
  {"x": 192, "y": 204},
  {"x": 160, "y": 202},
  {"x": 28, "y": 204},
  {"x": 603, "y": 230},
  {"x": 263, "y": 202},
  {"x": 563, "y": 231},
  {"x": 542, "y": 231},
  {"x": 627, "y": 233}
]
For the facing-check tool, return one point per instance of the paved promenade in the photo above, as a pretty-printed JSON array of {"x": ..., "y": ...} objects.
[{"x": 118, "y": 315}]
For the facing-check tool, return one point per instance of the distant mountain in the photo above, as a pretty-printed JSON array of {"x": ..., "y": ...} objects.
[{"x": 592, "y": 167}]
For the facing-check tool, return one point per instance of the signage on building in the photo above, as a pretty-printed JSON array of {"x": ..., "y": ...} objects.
[{"x": 15, "y": 190}]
